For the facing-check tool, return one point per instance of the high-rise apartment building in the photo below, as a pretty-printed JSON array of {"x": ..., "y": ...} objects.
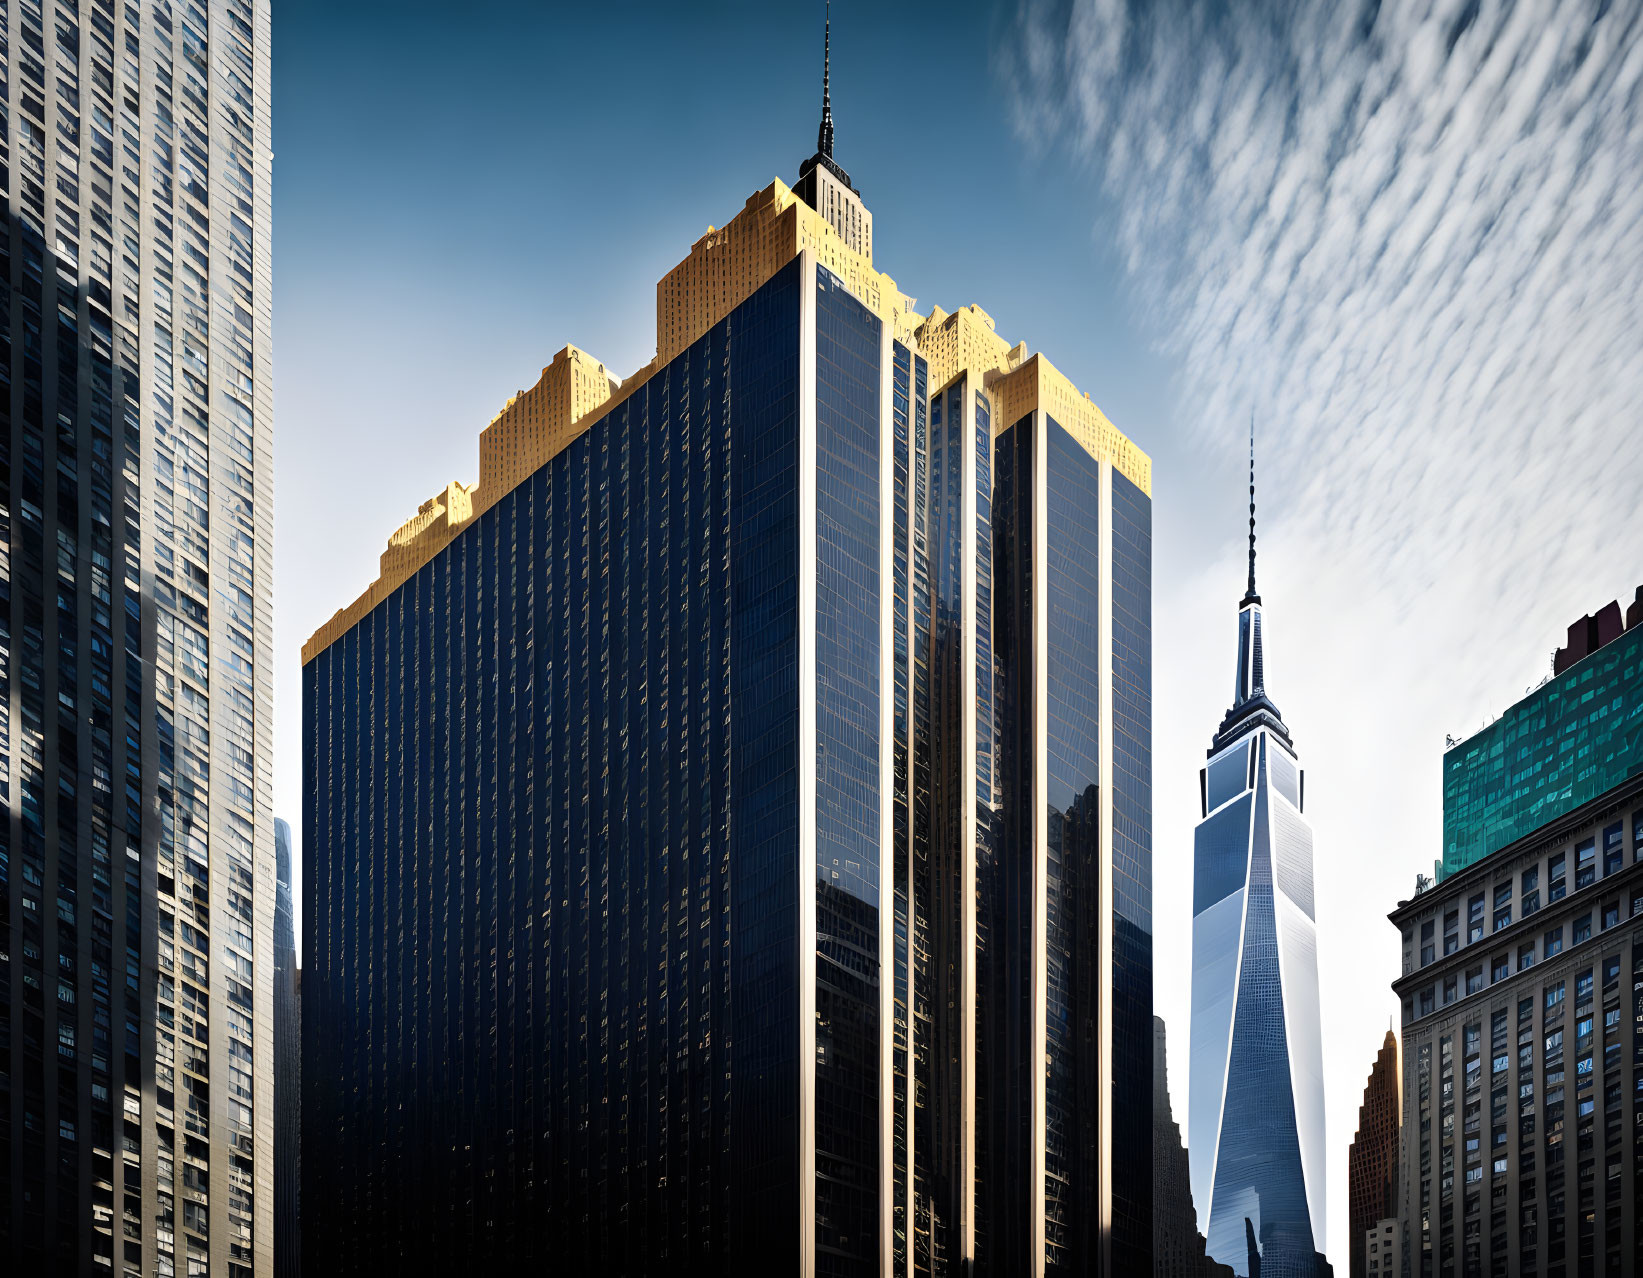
[
  {"x": 727, "y": 829},
  {"x": 287, "y": 1066},
  {"x": 1522, "y": 995},
  {"x": 1372, "y": 1159},
  {"x": 136, "y": 846},
  {"x": 1256, "y": 1101}
]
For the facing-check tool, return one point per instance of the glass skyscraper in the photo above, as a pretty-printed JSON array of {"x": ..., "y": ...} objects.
[
  {"x": 1256, "y": 1100},
  {"x": 1575, "y": 737},
  {"x": 727, "y": 824},
  {"x": 136, "y": 842}
]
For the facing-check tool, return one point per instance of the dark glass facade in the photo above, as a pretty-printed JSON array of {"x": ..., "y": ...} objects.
[
  {"x": 559, "y": 768},
  {"x": 1066, "y": 974},
  {"x": 1131, "y": 1046},
  {"x": 635, "y": 951},
  {"x": 848, "y": 793},
  {"x": 287, "y": 1067}
]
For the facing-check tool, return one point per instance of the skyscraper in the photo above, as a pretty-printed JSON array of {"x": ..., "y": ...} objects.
[
  {"x": 727, "y": 825},
  {"x": 1553, "y": 750},
  {"x": 1256, "y": 1104},
  {"x": 1522, "y": 988},
  {"x": 1372, "y": 1159},
  {"x": 136, "y": 845},
  {"x": 287, "y": 1066}
]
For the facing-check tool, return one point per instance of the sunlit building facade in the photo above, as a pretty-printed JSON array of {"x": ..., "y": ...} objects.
[
  {"x": 1256, "y": 1100},
  {"x": 727, "y": 826},
  {"x": 136, "y": 537}
]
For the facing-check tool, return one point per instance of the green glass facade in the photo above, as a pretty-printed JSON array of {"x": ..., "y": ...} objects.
[{"x": 1575, "y": 737}]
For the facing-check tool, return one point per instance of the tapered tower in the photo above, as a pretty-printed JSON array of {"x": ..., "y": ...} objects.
[{"x": 1256, "y": 1109}]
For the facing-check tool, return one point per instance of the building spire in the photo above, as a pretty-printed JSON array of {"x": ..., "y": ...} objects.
[
  {"x": 824, "y": 135},
  {"x": 1249, "y": 699},
  {"x": 1250, "y": 596}
]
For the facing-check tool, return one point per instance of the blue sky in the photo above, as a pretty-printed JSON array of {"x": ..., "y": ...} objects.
[{"x": 1409, "y": 237}]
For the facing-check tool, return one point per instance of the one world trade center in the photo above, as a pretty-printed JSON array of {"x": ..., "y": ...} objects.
[{"x": 1256, "y": 1104}]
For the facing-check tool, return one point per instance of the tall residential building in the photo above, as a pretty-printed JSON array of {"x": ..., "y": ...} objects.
[
  {"x": 1177, "y": 1245},
  {"x": 287, "y": 1067},
  {"x": 1256, "y": 1101},
  {"x": 1522, "y": 995},
  {"x": 727, "y": 829},
  {"x": 136, "y": 842},
  {"x": 1372, "y": 1159}
]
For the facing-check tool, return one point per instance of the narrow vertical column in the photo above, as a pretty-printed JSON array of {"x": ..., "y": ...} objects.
[
  {"x": 1041, "y": 829},
  {"x": 807, "y": 764},
  {"x": 967, "y": 827},
  {"x": 887, "y": 801},
  {"x": 1104, "y": 1115}
]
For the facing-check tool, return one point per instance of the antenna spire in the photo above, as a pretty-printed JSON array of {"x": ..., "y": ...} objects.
[
  {"x": 1250, "y": 596},
  {"x": 824, "y": 135}
]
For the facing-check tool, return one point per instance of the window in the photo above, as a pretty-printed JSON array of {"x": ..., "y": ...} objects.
[
  {"x": 1426, "y": 942},
  {"x": 1474, "y": 918},
  {"x": 1637, "y": 836},
  {"x": 1554, "y": 942},
  {"x": 1554, "y": 995},
  {"x": 1451, "y": 932},
  {"x": 1531, "y": 890},
  {"x": 1555, "y": 886},
  {"x": 1583, "y": 988},
  {"x": 1611, "y": 974},
  {"x": 1503, "y": 905},
  {"x": 1426, "y": 1003},
  {"x": 1474, "y": 980},
  {"x": 1526, "y": 956},
  {"x": 1583, "y": 929},
  {"x": 1614, "y": 848},
  {"x": 1502, "y": 967},
  {"x": 1449, "y": 990},
  {"x": 1585, "y": 863},
  {"x": 1611, "y": 915}
]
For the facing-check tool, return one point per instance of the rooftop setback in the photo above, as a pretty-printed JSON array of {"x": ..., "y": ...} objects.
[{"x": 725, "y": 267}]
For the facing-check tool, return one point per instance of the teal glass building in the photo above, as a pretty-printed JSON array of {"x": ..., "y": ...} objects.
[
  {"x": 727, "y": 849},
  {"x": 1575, "y": 737}
]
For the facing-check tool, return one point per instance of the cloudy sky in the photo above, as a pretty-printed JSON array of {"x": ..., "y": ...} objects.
[{"x": 1407, "y": 236}]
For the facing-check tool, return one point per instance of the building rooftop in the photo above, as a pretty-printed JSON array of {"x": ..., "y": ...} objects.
[
  {"x": 725, "y": 267},
  {"x": 1577, "y": 735}
]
